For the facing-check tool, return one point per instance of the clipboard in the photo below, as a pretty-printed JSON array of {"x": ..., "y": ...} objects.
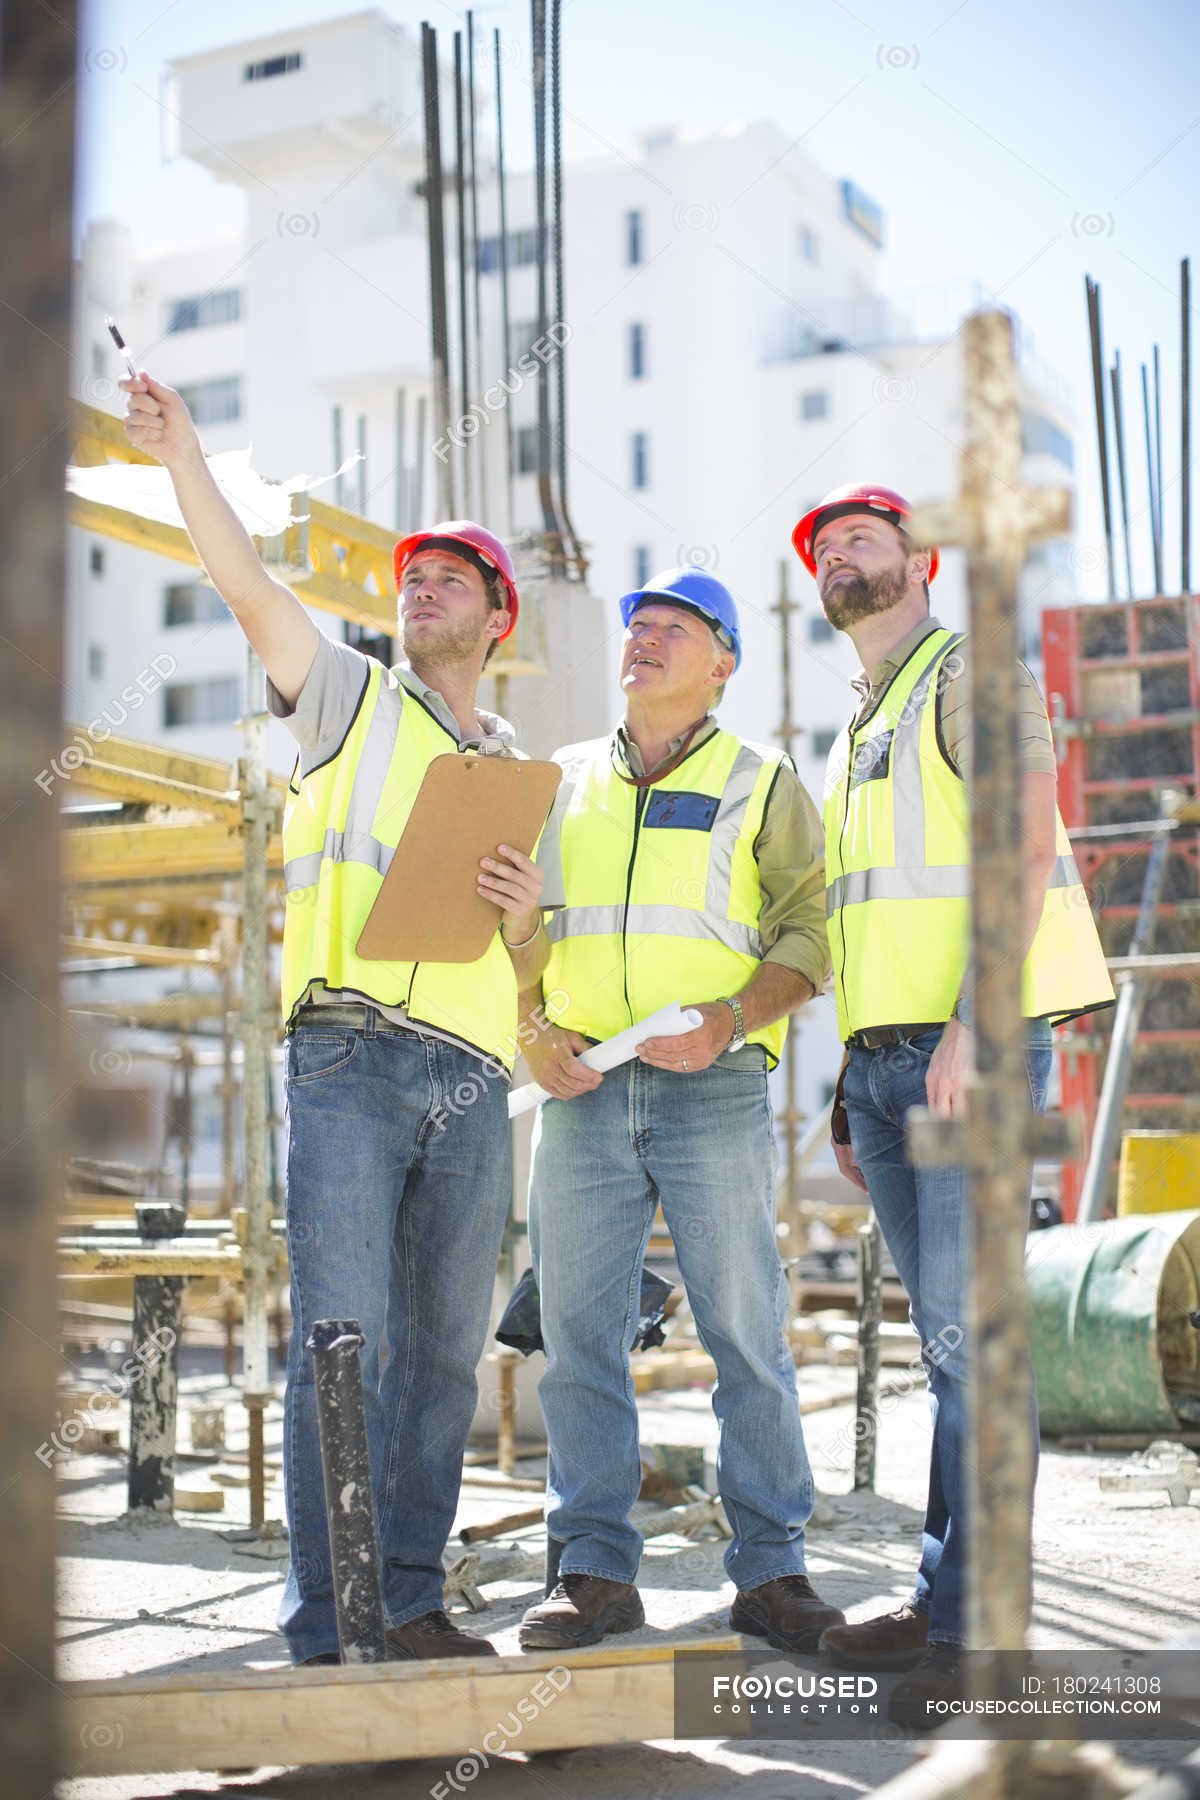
[{"x": 428, "y": 909}]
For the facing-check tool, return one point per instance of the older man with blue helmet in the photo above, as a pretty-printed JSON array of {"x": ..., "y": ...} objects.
[{"x": 682, "y": 863}]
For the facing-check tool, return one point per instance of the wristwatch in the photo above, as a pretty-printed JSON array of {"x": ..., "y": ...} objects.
[{"x": 738, "y": 1040}]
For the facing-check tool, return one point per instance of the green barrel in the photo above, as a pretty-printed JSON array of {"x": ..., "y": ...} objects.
[{"x": 1113, "y": 1345}]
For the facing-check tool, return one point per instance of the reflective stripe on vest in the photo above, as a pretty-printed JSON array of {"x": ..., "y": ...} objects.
[
  {"x": 655, "y": 913},
  {"x": 897, "y": 838},
  {"x": 340, "y": 830}
]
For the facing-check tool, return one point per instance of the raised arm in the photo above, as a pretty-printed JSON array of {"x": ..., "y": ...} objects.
[{"x": 269, "y": 613}]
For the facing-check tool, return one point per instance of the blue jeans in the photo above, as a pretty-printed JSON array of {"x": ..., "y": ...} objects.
[
  {"x": 398, "y": 1183},
  {"x": 702, "y": 1145},
  {"x": 923, "y": 1216}
]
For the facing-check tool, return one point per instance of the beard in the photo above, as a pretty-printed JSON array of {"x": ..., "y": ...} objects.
[
  {"x": 846, "y": 602},
  {"x": 453, "y": 644}
]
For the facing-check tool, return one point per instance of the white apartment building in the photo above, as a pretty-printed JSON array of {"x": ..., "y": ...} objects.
[{"x": 731, "y": 357}]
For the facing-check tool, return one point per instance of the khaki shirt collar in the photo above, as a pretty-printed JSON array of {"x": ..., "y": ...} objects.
[
  {"x": 872, "y": 690},
  {"x": 629, "y": 754}
]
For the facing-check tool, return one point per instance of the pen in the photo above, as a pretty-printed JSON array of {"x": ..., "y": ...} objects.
[{"x": 119, "y": 341}]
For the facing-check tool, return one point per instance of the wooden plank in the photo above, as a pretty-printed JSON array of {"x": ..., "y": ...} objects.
[
  {"x": 381, "y": 1712},
  {"x": 83, "y": 1258},
  {"x": 110, "y": 853},
  {"x": 161, "y": 955}
]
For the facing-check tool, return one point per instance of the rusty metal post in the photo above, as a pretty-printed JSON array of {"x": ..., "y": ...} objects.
[
  {"x": 38, "y": 52},
  {"x": 870, "y": 1311},
  {"x": 784, "y": 607},
  {"x": 154, "y": 1394},
  {"x": 994, "y": 517},
  {"x": 349, "y": 1501},
  {"x": 506, "y": 1411}
]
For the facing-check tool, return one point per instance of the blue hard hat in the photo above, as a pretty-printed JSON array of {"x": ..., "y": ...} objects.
[{"x": 695, "y": 590}]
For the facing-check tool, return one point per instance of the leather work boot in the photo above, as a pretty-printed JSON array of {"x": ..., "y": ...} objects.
[
  {"x": 432, "y": 1634},
  {"x": 581, "y": 1610},
  {"x": 319, "y": 1662},
  {"x": 939, "y": 1676},
  {"x": 894, "y": 1641},
  {"x": 788, "y": 1612}
]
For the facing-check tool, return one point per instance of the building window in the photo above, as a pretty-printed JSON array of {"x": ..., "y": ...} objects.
[
  {"x": 814, "y": 405},
  {"x": 639, "y": 459},
  {"x": 95, "y": 662},
  {"x": 99, "y": 362},
  {"x": 96, "y": 559},
  {"x": 527, "y": 450},
  {"x": 819, "y": 629},
  {"x": 823, "y": 742},
  {"x": 810, "y": 247},
  {"x": 217, "y": 402},
  {"x": 1040, "y": 436},
  {"x": 634, "y": 248},
  {"x": 216, "y": 701},
  {"x": 637, "y": 351},
  {"x": 192, "y": 603},
  {"x": 273, "y": 65},
  {"x": 641, "y": 565},
  {"x": 522, "y": 250},
  {"x": 221, "y": 307}
]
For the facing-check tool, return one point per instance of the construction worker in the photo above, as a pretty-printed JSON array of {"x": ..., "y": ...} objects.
[
  {"x": 684, "y": 865},
  {"x": 897, "y": 871},
  {"x": 398, "y": 1169}
]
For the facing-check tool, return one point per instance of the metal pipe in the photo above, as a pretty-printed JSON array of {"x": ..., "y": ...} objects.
[
  {"x": 1106, "y": 1134},
  {"x": 1094, "y": 332},
  {"x": 460, "y": 201},
  {"x": 870, "y": 1312},
  {"x": 1119, "y": 437},
  {"x": 1155, "y": 539},
  {"x": 436, "y": 237},
  {"x": 1185, "y": 427},
  {"x": 560, "y": 301},
  {"x": 400, "y": 504},
  {"x": 349, "y": 1502},
  {"x": 1158, "y": 482},
  {"x": 361, "y": 471},
  {"x": 154, "y": 1391},
  {"x": 505, "y": 320},
  {"x": 545, "y": 496},
  {"x": 474, "y": 193},
  {"x": 417, "y": 508},
  {"x": 339, "y": 456},
  {"x": 258, "y": 1253}
]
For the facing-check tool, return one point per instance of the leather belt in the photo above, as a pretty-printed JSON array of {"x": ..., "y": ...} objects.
[
  {"x": 343, "y": 1016},
  {"x": 881, "y": 1037}
]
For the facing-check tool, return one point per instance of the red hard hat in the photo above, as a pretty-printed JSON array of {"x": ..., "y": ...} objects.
[
  {"x": 463, "y": 538},
  {"x": 864, "y": 497}
]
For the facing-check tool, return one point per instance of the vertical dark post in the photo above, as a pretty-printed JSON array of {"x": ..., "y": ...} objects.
[
  {"x": 1154, "y": 493},
  {"x": 38, "y": 50},
  {"x": 784, "y": 607},
  {"x": 154, "y": 1394},
  {"x": 505, "y": 320},
  {"x": 545, "y": 497},
  {"x": 473, "y": 186},
  {"x": 560, "y": 298},
  {"x": 870, "y": 1311},
  {"x": 400, "y": 504},
  {"x": 1119, "y": 435},
  {"x": 349, "y": 1505},
  {"x": 460, "y": 196},
  {"x": 1093, "y": 305},
  {"x": 1158, "y": 486},
  {"x": 1185, "y": 427},
  {"x": 436, "y": 235}
]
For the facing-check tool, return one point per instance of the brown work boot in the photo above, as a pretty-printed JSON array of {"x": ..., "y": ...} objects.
[
  {"x": 919, "y": 1701},
  {"x": 581, "y": 1610},
  {"x": 432, "y": 1634},
  {"x": 894, "y": 1641},
  {"x": 788, "y": 1612}
]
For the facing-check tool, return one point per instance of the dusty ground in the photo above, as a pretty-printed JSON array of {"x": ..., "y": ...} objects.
[{"x": 1112, "y": 1570}]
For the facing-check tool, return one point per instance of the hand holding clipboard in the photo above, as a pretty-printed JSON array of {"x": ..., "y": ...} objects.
[{"x": 429, "y": 908}]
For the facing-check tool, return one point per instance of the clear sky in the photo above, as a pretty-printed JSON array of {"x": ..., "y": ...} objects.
[{"x": 1016, "y": 143}]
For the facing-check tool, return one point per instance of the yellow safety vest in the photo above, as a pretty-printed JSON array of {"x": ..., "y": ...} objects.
[
  {"x": 341, "y": 824},
  {"x": 661, "y": 885},
  {"x": 898, "y": 872}
]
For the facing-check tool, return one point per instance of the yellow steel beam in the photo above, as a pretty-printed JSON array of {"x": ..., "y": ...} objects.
[
  {"x": 333, "y": 559},
  {"x": 120, "y": 853},
  {"x": 176, "y": 1009},
  {"x": 162, "y": 955},
  {"x": 134, "y": 770}
]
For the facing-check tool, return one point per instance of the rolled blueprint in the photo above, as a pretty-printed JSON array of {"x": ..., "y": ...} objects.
[{"x": 668, "y": 1021}]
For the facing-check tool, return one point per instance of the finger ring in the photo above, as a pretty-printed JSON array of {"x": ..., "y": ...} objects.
[{"x": 685, "y": 1062}]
